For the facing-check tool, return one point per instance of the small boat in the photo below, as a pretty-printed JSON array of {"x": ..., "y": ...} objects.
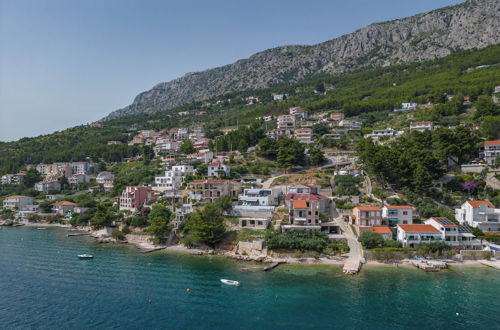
[
  {"x": 85, "y": 256},
  {"x": 41, "y": 228},
  {"x": 230, "y": 282}
]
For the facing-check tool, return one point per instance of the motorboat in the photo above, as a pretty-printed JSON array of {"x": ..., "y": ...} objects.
[
  {"x": 230, "y": 282},
  {"x": 41, "y": 228},
  {"x": 85, "y": 256}
]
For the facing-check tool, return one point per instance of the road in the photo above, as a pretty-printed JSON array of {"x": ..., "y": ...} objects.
[
  {"x": 368, "y": 185},
  {"x": 267, "y": 184}
]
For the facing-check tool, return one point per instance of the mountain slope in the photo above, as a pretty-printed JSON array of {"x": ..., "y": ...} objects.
[{"x": 473, "y": 24}]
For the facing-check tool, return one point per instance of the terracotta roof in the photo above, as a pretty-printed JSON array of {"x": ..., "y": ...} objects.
[
  {"x": 64, "y": 203},
  {"x": 299, "y": 204},
  {"x": 492, "y": 143},
  {"x": 382, "y": 229},
  {"x": 419, "y": 228},
  {"x": 400, "y": 207},
  {"x": 477, "y": 204},
  {"x": 17, "y": 196},
  {"x": 368, "y": 208},
  {"x": 216, "y": 163}
]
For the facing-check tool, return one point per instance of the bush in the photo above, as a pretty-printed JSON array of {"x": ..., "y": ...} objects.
[
  {"x": 371, "y": 240},
  {"x": 392, "y": 243},
  {"x": 303, "y": 240},
  {"x": 126, "y": 230},
  {"x": 337, "y": 248},
  {"x": 118, "y": 235},
  {"x": 435, "y": 249},
  {"x": 386, "y": 254}
]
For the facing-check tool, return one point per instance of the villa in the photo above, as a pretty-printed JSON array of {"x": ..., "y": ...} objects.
[
  {"x": 479, "y": 214},
  {"x": 412, "y": 235},
  {"x": 398, "y": 214},
  {"x": 17, "y": 202},
  {"x": 63, "y": 207},
  {"x": 207, "y": 191},
  {"x": 218, "y": 169},
  {"x": 135, "y": 196},
  {"x": 366, "y": 216},
  {"x": 455, "y": 235}
]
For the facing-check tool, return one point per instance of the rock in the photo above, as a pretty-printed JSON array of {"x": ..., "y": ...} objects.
[{"x": 473, "y": 24}]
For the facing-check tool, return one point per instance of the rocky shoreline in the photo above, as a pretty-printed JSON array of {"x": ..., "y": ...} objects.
[{"x": 142, "y": 243}]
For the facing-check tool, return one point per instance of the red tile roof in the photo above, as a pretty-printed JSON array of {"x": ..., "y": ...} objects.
[
  {"x": 16, "y": 196},
  {"x": 477, "y": 204},
  {"x": 419, "y": 228},
  {"x": 368, "y": 208},
  {"x": 300, "y": 204},
  {"x": 492, "y": 143},
  {"x": 400, "y": 207},
  {"x": 64, "y": 203},
  {"x": 420, "y": 122},
  {"x": 382, "y": 229}
]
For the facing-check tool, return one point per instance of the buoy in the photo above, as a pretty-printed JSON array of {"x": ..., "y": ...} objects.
[
  {"x": 188, "y": 290},
  {"x": 457, "y": 314}
]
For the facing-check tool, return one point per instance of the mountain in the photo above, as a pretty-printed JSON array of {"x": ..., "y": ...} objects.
[{"x": 472, "y": 24}]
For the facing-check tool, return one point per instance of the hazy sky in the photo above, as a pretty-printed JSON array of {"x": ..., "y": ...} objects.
[{"x": 70, "y": 62}]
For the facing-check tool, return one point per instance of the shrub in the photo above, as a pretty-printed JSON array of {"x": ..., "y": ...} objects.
[
  {"x": 303, "y": 240},
  {"x": 118, "y": 235},
  {"x": 371, "y": 240},
  {"x": 126, "y": 230}
]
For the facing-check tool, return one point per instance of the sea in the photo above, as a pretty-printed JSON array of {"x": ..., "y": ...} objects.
[{"x": 44, "y": 285}]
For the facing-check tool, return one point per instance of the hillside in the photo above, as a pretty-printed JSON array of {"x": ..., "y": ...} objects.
[
  {"x": 473, "y": 24},
  {"x": 368, "y": 95}
]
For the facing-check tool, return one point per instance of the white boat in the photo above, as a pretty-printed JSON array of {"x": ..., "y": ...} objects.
[
  {"x": 230, "y": 282},
  {"x": 85, "y": 256}
]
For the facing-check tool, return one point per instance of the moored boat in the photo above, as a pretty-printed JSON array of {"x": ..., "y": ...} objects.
[
  {"x": 230, "y": 282},
  {"x": 85, "y": 256}
]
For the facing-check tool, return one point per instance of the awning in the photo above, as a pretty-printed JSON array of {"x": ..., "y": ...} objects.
[{"x": 394, "y": 219}]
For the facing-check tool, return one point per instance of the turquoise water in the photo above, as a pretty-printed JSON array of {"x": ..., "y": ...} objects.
[{"x": 45, "y": 286}]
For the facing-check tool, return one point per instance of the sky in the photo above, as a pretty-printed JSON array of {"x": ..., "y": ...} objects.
[{"x": 70, "y": 62}]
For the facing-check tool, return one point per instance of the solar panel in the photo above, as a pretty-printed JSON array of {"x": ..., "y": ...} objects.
[
  {"x": 463, "y": 229},
  {"x": 444, "y": 221}
]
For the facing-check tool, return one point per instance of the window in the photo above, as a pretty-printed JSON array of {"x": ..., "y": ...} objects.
[{"x": 405, "y": 212}]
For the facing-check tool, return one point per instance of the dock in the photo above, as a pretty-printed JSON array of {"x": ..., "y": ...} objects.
[
  {"x": 153, "y": 249},
  {"x": 272, "y": 266},
  {"x": 429, "y": 265},
  {"x": 492, "y": 263}
]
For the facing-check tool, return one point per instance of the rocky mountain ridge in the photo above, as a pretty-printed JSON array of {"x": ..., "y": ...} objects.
[{"x": 472, "y": 24}]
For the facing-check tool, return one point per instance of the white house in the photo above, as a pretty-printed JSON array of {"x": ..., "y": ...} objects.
[
  {"x": 351, "y": 124},
  {"x": 13, "y": 178},
  {"x": 384, "y": 132},
  {"x": 104, "y": 177},
  {"x": 47, "y": 186},
  {"x": 260, "y": 197},
  {"x": 63, "y": 207},
  {"x": 286, "y": 121},
  {"x": 491, "y": 151},
  {"x": 298, "y": 112},
  {"x": 172, "y": 180},
  {"x": 454, "y": 235},
  {"x": 407, "y": 107},
  {"x": 78, "y": 178},
  {"x": 421, "y": 126},
  {"x": 480, "y": 214},
  {"x": 218, "y": 169},
  {"x": 411, "y": 235},
  {"x": 304, "y": 135},
  {"x": 398, "y": 214},
  {"x": 18, "y": 202}
]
